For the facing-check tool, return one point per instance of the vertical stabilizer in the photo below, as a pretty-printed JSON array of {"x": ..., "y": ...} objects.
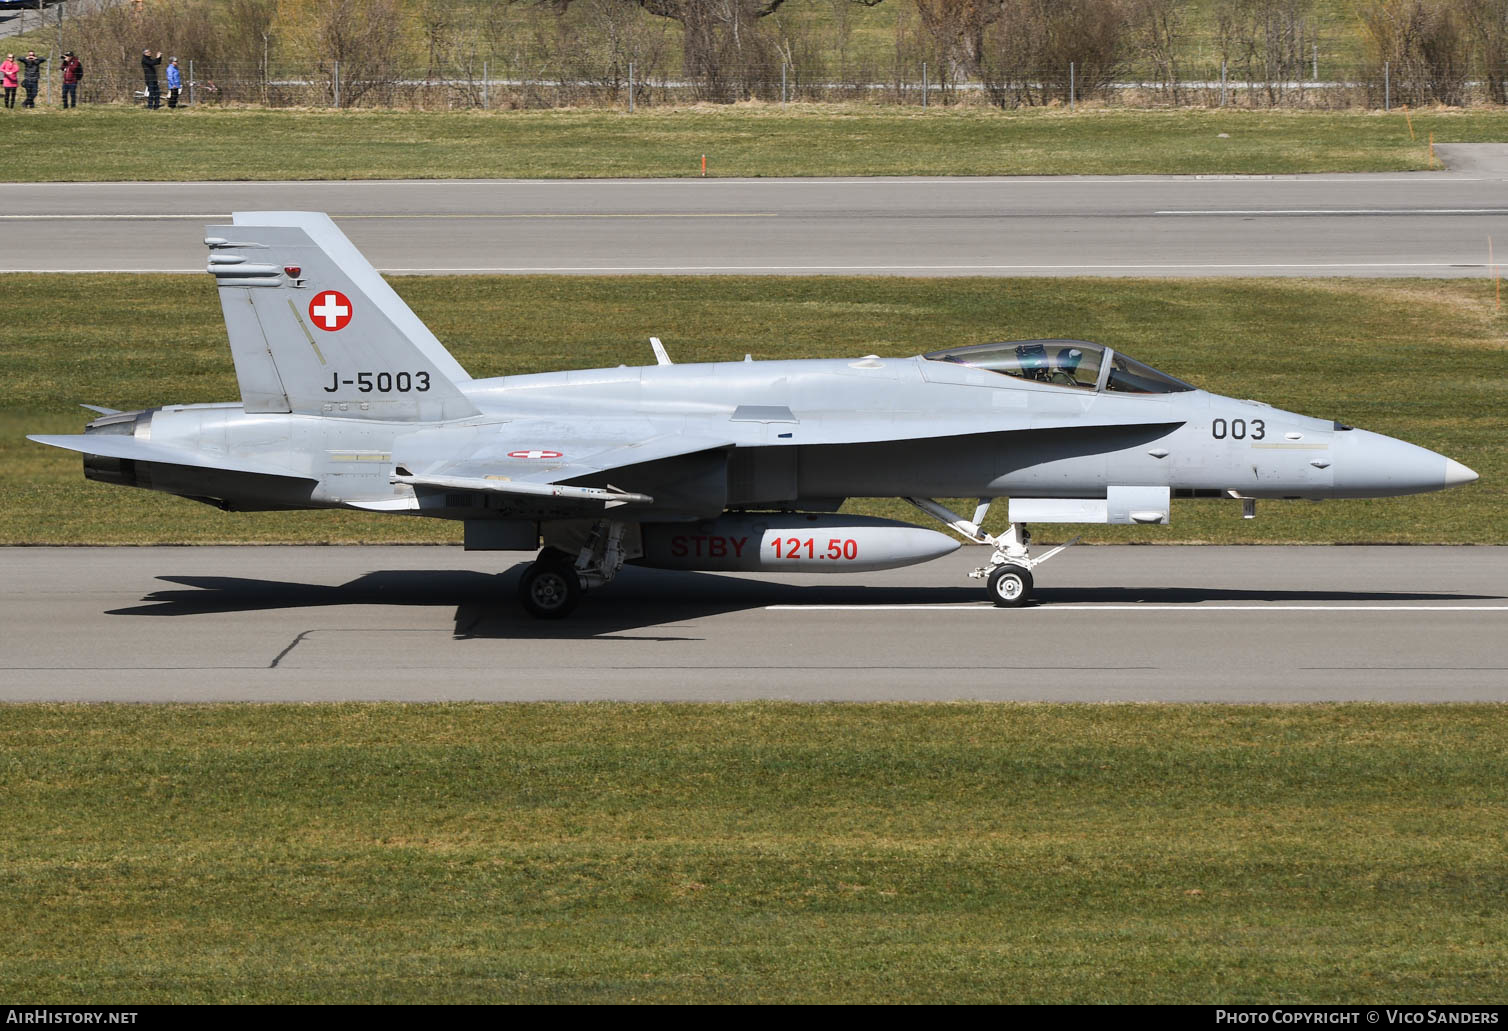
[{"x": 315, "y": 330}]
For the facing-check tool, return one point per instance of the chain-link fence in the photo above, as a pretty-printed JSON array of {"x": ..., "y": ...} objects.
[{"x": 496, "y": 85}]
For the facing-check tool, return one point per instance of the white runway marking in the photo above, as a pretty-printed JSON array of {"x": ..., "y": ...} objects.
[
  {"x": 420, "y": 216},
  {"x": 848, "y": 269},
  {"x": 1344, "y": 211},
  {"x": 947, "y": 268},
  {"x": 1091, "y": 607},
  {"x": 99, "y": 218},
  {"x": 682, "y": 181}
]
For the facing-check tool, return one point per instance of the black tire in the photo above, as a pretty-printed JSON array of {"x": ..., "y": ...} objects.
[
  {"x": 549, "y": 588},
  {"x": 1010, "y": 587}
]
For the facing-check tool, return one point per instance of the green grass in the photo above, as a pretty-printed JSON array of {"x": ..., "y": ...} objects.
[
  {"x": 1423, "y": 360},
  {"x": 753, "y": 853},
  {"x": 98, "y": 143}
]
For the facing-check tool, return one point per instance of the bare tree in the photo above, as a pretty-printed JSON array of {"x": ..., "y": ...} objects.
[
  {"x": 1028, "y": 45},
  {"x": 958, "y": 29},
  {"x": 1425, "y": 47},
  {"x": 724, "y": 49},
  {"x": 1487, "y": 20},
  {"x": 1263, "y": 42},
  {"x": 248, "y": 38},
  {"x": 356, "y": 39},
  {"x": 1156, "y": 35}
]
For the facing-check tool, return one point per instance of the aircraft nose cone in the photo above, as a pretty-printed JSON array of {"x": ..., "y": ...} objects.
[
  {"x": 1456, "y": 474},
  {"x": 1370, "y": 465}
]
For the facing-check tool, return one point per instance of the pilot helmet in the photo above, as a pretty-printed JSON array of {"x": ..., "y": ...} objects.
[
  {"x": 1032, "y": 356},
  {"x": 1069, "y": 359}
]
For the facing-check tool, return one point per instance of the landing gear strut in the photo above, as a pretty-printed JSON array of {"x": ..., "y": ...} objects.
[
  {"x": 553, "y": 584},
  {"x": 1008, "y": 574}
]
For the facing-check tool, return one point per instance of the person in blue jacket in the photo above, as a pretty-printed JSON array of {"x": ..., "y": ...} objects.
[{"x": 175, "y": 82}]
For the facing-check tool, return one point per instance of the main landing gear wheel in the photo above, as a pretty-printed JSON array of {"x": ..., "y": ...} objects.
[
  {"x": 1010, "y": 586},
  {"x": 550, "y": 588}
]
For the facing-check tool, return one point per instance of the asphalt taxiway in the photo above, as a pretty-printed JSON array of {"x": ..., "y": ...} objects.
[
  {"x": 1435, "y": 224},
  {"x": 1150, "y": 623}
]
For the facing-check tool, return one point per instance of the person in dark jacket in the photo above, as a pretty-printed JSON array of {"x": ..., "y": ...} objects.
[
  {"x": 73, "y": 74},
  {"x": 31, "y": 71},
  {"x": 149, "y": 72}
]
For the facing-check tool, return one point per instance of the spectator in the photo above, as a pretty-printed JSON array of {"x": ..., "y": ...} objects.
[
  {"x": 73, "y": 74},
  {"x": 31, "y": 71},
  {"x": 175, "y": 82},
  {"x": 149, "y": 72},
  {"x": 9, "y": 78}
]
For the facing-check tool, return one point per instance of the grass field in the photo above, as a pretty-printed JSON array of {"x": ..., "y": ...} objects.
[
  {"x": 1423, "y": 360},
  {"x": 678, "y": 853},
  {"x": 100, "y": 143}
]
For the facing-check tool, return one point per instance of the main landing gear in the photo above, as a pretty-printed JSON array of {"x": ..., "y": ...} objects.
[
  {"x": 1008, "y": 574},
  {"x": 552, "y": 586}
]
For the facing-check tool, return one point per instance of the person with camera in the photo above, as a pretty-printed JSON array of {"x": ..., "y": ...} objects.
[
  {"x": 149, "y": 73},
  {"x": 31, "y": 71},
  {"x": 73, "y": 74}
]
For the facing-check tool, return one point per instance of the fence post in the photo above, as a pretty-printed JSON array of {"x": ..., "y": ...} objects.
[
  {"x": 337, "y": 84},
  {"x": 1222, "y": 83},
  {"x": 1315, "y": 48},
  {"x": 485, "y": 84},
  {"x": 1387, "y": 89},
  {"x": 191, "y": 82},
  {"x": 926, "y": 86},
  {"x": 1070, "y": 85},
  {"x": 630, "y": 87},
  {"x": 783, "y": 94}
]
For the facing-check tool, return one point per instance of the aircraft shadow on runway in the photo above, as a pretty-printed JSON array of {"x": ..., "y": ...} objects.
[{"x": 485, "y": 604}]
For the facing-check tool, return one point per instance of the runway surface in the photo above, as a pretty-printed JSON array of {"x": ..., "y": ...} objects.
[
  {"x": 1258, "y": 624},
  {"x": 1402, "y": 224}
]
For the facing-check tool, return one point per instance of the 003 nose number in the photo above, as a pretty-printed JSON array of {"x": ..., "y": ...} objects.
[{"x": 1237, "y": 429}]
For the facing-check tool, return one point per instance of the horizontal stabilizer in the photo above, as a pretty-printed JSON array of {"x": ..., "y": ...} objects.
[
  {"x": 101, "y": 409},
  {"x": 110, "y": 445}
]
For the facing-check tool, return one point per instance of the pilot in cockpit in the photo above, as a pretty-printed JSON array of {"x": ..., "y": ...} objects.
[
  {"x": 1068, "y": 367},
  {"x": 1032, "y": 359}
]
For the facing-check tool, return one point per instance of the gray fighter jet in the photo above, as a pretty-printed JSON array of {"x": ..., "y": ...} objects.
[{"x": 348, "y": 401}]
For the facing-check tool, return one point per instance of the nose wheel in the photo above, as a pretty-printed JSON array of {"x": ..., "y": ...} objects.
[
  {"x": 1007, "y": 577},
  {"x": 1010, "y": 587}
]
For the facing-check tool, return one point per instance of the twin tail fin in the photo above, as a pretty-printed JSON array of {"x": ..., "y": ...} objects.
[{"x": 315, "y": 330}]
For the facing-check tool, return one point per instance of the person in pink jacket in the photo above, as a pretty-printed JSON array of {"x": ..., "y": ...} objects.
[{"x": 10, "y": 72}]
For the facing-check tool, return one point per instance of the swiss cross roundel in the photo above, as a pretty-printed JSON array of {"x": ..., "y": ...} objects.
[{"x": 330, "y": 310}]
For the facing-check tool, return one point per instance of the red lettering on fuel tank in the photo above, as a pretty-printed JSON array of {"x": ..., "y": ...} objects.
[
  {"x": 717, "y": 547},
  {"x": 738, "y": 546},
  {"x": 678, "y": 547}
]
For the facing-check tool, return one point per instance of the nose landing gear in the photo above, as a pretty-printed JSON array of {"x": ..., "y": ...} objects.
[{"x": 1008, "y": 574}]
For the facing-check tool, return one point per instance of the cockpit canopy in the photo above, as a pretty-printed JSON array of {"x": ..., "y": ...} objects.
[{"x": 1064, "y": 363}]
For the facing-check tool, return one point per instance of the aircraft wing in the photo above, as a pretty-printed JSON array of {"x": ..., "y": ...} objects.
[
  {"x": 112, "y": 445},
  {"x": 536, "y": 460}
]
